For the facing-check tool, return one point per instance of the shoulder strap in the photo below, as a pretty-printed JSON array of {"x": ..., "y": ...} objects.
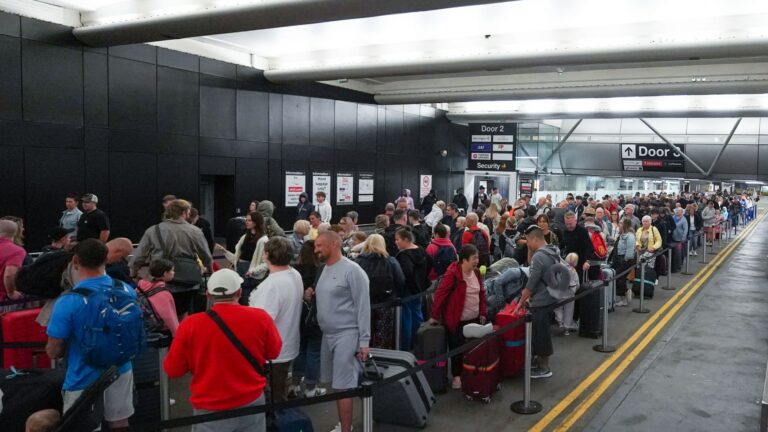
[
  {"x": 154, "y": 291},
  {"x": 162, "y": 242},
  {"x": 236, "y": 342}
]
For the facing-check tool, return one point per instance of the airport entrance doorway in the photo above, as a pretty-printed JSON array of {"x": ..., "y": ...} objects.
[{"x": 505, "y": 181}]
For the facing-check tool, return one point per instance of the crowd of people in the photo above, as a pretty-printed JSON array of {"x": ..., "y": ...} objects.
[{"x": 302, "y": 301}]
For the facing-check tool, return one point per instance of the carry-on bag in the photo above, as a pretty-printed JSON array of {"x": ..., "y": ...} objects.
[
  {"x": 649, "y": 281},
  {"x": 26, "y": 391},
  {"x": 406, "y": 402},
  {"x": 480, "y": 372},
  {"x": 512, "y": 341},
  {"x": 20, "y": 327},
  {"x": 430, "y": 343},
  {"x": 589, "y": 309}
]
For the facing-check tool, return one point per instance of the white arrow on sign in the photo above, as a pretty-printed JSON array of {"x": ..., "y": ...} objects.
[{"x": 628, "y": 151}]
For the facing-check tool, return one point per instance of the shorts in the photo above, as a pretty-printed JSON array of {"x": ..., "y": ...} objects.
[
  {"x": 541, "y": 338},
  {"x": 338, "y": 360},
  {"x": 118, "y": 398}
]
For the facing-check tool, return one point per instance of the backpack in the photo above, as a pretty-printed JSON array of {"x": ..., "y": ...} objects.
[
  {"x": 42, "y": 278},
  {"x": 444, "y": 256},
  {"x": 152, "y": 321},
  {"x": 382, "y": 284},
  {"x": 113, "y": 333},
  {"x": 479, "y": 240},
  {"x": 598, "y": 244}
]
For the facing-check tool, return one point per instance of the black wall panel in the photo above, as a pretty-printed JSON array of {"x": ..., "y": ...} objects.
[
  {"x": 97, "y": 177},
  {"x": 134, "y": 202},
  {"x": 52, "y": 136},
  {"x": 52, "y": 97},
  {"x": 178, "y": 101},
  {"x": 345, "y": 125},
  {"x": 217, "y": 112},
  {"x": 252, "y": 116},
  {"x": 210, "y": 165},
  {"x": 410, "y": 138},
  {"x": 366, "y": 128},
  {"x": 250, "y": 181},
  {"x": 54, "y": 176},
  {"x": 96, "y": 139},
  {"x": 140, "y": 52},
  {"x": 275, "y": 118},
  {"x": 10, "y": 25},
  {"x": 43, "y": 31},
  {"x": 178, "y": 144},
  {"x": 95, "y": 89},
  {"x": 10, "y": 78},
  {"x": 177, "y": 175},
  {"x": 295, "y": 120},
  {"x": 132, "y": 141},
  {"x": 132, "y": 95},
  {"x": 321, "y": 123},
  {"x": 12, "y": 178},
  {"x": 178, "y": 60},
  {"x": 218, "y": 68},
  {"x": 394, "y": 127}
]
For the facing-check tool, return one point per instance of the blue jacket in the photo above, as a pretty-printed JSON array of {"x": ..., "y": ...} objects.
[{"x": 681, "y": 229}]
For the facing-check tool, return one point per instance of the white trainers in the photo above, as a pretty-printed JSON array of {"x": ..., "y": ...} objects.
[
  {"x": 338, "y": 428},
  {"x": 456, "y": 383},
  {"x": 629, "y": 296},
  {"x": 317, "y": 391}
]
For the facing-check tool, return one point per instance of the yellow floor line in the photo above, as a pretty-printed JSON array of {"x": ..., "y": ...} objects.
[
  {"x": 597, "y": 373},
  {"x": 587, "y": 403}
]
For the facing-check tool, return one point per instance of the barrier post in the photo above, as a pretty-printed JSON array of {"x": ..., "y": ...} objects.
[
  {"x": 398, "y": 324},
  {"x": 669, "y": 271},
  {"x": 367, "y": 396},
  {"x": 604, "y": 347},
  {"x": 165, "y": 394},
  {"x": 527, "y": 406},
  {"x": 641, "y": 309},
  {"x": 687, "y": 257},
  {"x": 704, "y": 258}
]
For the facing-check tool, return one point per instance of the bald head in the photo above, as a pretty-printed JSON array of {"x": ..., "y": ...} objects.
[
  {"x": 471, "y": 219},
  {"x": 8, "y": 228},
  {"x": 118, "y": 249}
]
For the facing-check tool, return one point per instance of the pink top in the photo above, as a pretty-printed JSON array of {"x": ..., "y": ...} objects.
[
  {"x": 163, "y": 304},
  {"x": 472, "y": 299},
  {"x": 11, "y": 255}
]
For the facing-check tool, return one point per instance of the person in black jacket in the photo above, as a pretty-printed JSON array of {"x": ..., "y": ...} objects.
[
  {"x": 415, "y": 263},
  {"x": 204, "y": 225},
  {"x": 480, "y": 197},
  {"x": 304, "y": 207},
  {"x": 421, "y": 232},
  {"x": 460, "y": 200},
  {"x": 399, "y": 220},
  {"x": 428, "y": 202},
  {"x": 576, "y": 239}
]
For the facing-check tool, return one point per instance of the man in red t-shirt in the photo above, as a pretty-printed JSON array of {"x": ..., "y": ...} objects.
[
  {"x": 11, "y": 259},
  {"x": 481, "y": 241},
  {"x": 222, "y": 378}
]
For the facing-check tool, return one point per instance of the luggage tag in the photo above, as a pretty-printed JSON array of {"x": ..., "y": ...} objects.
[{"x": 15, "y": 373}]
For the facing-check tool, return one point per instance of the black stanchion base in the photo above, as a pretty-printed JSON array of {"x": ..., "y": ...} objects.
[
  {"x": 669, "y": 289},
  {"x": 604, "y": 349},
  {"x": 520, "y": 408},
  {"x": 686, "y": 273},
  {"x": 638, "y": 310}
]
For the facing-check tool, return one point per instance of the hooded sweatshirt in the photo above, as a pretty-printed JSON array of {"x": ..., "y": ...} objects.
[
  {"x": 542, "y": 260},
  {"x": 434, "y": 217},
  {"x": 266, "y": 208},
  {"x": 415, "y": 265},
  {"x": 303, "y": 209},
  {"x": 325, "y": 210}
]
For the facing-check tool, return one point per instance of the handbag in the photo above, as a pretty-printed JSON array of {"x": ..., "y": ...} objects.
[{"x": 185, "y": 266}]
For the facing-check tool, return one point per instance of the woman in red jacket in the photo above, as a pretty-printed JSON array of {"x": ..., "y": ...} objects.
[{"x": 460, "y": 300}]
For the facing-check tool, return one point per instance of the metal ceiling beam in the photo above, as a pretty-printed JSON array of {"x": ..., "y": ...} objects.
[
  {"x": 460, "y": 117},
  {"x": 752, "y": 86},
  {"x": 651, "y": 52},
  {"x": 722, "y": 149},
  {"x": 560, "y": 145},
  {"x": 257, "y": 16},
  {"x": 674, "y": 147}
]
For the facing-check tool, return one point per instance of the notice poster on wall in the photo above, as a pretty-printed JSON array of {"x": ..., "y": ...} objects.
[
  {"x": 425, "y": 185},
  {"x": 295, "y": 185},
  {"x": 345, "y": 188},
  {"x": 321, "y": 181},
  {"x": 365, "y": 187}
]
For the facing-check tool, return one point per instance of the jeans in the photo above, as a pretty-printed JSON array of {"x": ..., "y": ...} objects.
[
  {"x": 411, "y": 320},
  {"x": 693, "y": 238},
  {"x": 307, "y": 364}
]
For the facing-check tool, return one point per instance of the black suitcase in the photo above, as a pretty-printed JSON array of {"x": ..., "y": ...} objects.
[
  {"x": 589, "y": 309},
  {"x": 430, "y": 343},
  {"x": 650, "y": 282},
  {"x": 27, "y": 392},
  {"x": 146, "y": 378}
]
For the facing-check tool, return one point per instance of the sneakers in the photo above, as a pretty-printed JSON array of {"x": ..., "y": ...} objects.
[
  {"x": 621, "y": 302},
  {"x": 695, "y": 253},
  {"x": 538, "y": 373},
  {"x": 629, "y": 296},
  {"x": 317, "y": 391},
  {"x": 456, "y": 383},
  {"x": 294, "y": 391},
  {"x": 338, "y": 428}
]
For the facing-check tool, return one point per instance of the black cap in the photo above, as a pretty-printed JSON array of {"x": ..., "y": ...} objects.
[{"x": 55, "y": 234}]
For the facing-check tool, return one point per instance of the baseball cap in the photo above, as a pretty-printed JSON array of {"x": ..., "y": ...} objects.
[
  {"x": 90, "y": 198},
  {"x": 224, "y": 282},
  {"x": 58, "y": 232}
]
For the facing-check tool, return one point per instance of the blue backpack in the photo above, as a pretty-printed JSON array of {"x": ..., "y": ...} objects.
[
  {"x": 444, "y": 256},
  {"x": 113, "y": 333}
]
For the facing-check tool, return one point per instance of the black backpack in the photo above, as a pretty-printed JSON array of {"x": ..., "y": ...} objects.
[
  {"x": 42, "y": 278},
  {"x": 480, "y": 242},
  {"x": 444, "y": 256},
  {"x": 382, "y": 284}
]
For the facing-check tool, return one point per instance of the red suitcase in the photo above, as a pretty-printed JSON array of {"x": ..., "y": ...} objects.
[
  {"x": 20, "y": 326},
  {"x": 480, "y": 372},
  {"x": 513, "y": 341}
]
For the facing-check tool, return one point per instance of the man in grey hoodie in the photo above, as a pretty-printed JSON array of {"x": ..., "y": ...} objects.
[
  {"x": 266, "y": 208},
  {"x": 543, "y": 257}
]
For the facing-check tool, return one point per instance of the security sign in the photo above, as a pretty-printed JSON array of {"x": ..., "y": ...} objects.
[
  {"x": 652, "y": 157},
  {"x": 492, "y": 146}
]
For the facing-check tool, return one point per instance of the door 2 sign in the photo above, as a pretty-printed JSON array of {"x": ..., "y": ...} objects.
[
  {"x": 492, "y": 146},
  {"x": 652, "y": 157}
]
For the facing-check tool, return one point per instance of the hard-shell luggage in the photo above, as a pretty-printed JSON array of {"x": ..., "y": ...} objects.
[
  {"x": 26, "y": 392},
  {"x": 512, "y": 341},
  {"x": 650, "y": 282},
  {"x": 146, "y": 377},
  {"x": 430, "y": 343},
  {"x": 589, "y": 309},
  {"x": 406, "y": 402},
  {"x": 20, "y": 327},
  {"x": 480, "y": 373},
  {"x": 661, "y": 265}
]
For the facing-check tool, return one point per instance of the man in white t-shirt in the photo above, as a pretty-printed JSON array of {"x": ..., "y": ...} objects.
[{"x": 280, "y": 295}]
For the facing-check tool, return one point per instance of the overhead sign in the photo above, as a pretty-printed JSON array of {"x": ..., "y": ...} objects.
[
  {"x": 345, "y": 188},
  {"x": 295, "y": 185},
  {"x": 652, "y": 157},
  {"x": 321, "y": 181},
  {"x": 492, "y": 146},
  {"x": 365, "y": 187}
]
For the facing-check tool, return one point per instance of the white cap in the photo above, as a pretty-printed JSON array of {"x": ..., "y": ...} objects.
[{"x": 224, "y": 282}]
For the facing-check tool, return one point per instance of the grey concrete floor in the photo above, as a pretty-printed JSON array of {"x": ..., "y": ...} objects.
[{"x": 574, "y": 359}]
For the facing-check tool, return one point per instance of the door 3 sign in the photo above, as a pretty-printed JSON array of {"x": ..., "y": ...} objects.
[
  {"x": 651, "y": 157},
  {"x": 492, "y": 146}
]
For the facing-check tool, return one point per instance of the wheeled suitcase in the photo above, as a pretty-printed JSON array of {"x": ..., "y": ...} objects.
[
  {"x": 290, "y": 420},
  {"x": 146, "y": 377},
  {"x": 480, "y": 371},
  {"x": 20, "y": 327},
  {"x": 512, "y": 341},
  {"x": 406, "y": 402},
  {"x": 430, "y": 343},
  {"x": 649, "y": 282},
  {"x": 25, "y": 392},
  {"x": 589, "y": 309}
]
